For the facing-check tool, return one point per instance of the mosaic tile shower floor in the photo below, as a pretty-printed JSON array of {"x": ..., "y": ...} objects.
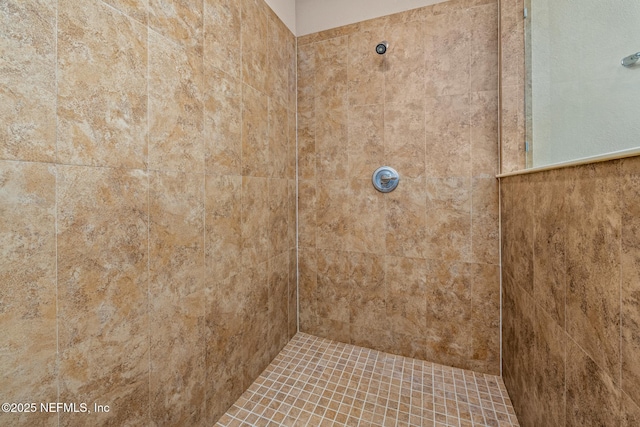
[{"x": 318, "y": 382}]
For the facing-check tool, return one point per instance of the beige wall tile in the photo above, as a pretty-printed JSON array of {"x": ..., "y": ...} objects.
[
  {"x": 278, "y": 140},
  {"x": 136, "y": 9},
  {"x": 103, "y": 327},
  {"x": 222, "y": 123},
  {"x": 447, "y": 40},
  {"x": 406, "y": 219},
  {"x": 630, "y": 412},
  {"x": 365, "y": 140},
  {"x": 549, "y": 282},
  {"x": 255, "y": 220},
  {"x": 630, "y": 292},
  {"x": 102, "y": 96},
  {"x": 176, "y": 112},
  {"x": 255, "y": 43},
  {"x": 28, "y": 294},
  {"x": 178, "y": 20},
  {"x": 333, "y": 288},
  {"x": 593, "y": 263},
  {"x": 404, "y": 138},
  {"x": 485, "y": 318},
  {"x": 222, "y": 29},
  {"x": 277, "y": 229},
  {"x": 448, "y": 147},
  {"x": 484, "y": 133},
  {"x": 255, "y": 133},
  {"x": 28, "y": 81},
  {"x": 406, "y": 295},
  {"x": 365, "y": 69},
  {"x": 592, "y": 397},
  {"x": 405, "y": 72},
  {"x": 223, "y": 235},
  {"x": 549, "y": 366},
  {"x": 177, "y": 293}
]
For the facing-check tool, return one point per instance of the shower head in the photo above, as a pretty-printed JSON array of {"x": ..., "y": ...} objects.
[{"x": 382, "y": 47}]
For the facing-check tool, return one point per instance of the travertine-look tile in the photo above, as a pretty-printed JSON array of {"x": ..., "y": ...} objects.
[
  {"x": 406, "y": 284},
  {"x": 518, "y": 335},
  {"x": 406, "y": 220},
  {"x": 176, "y": 112},
  {"x": 517, "y": 231},
  {"x": 226, "y": 357},
  {"x": 365, "y": 231},
  {"x": 307, "y": 213},
  {"x": 278, "y": 140},
  {"x": 485, "y": 318},
  {"x": 278, "y": 304},
  {"x": 333, "y": 288},
  {"x": 630, "y": 412},
  {"x": 630, "y": 292},
  {"x": 102, "y": 88},
  {"x": 367, "y": 291},
  {"x": 28, "y": 293},
  {"x": 592, "y": 397},
  {"x": 222, "y": 123},
  {"x": 448, "y": 145},
  {"x": 448, "y": 312},
  {"x": 136, "y": 9},
  {"x": 405, "y": 72},
  {"x": 512, "y": 134},
  {"x": 277, "y": 229},
  {"x": 484, "y": 133},
  {"x": 593, "y": 263},
  {"x": 512, "y": 41},
  {"x": 483, "y": 64},
  {"x": 293, "y": 293},
  {"x": 485, "y": 240},
  {"x": 549, "y": 284},
  {"x": 365, "y": 70},
  {"x": 307, "y": 286},
  {"x": 549, "y": 368},
  {"x": 255, "y": 220},
  {"x": 255, "y": 44},
  {"x": 332, "y": 215},
  {"x": 277, "y": 84},
  {"x": 255, "y": 132},
  {"x": 447, "y": 40},
  {"x": 176, "y": 289},
  {"x": 178, "y": 20},
  {"x": 222, "y": 27},
  {"x": 28, "y": 81},
  {"x": 102, "y": 292},
  {"x": 223, "y": 236},
  {"x": 404, "y": 138},
  {"x": 366, "y": 140}
]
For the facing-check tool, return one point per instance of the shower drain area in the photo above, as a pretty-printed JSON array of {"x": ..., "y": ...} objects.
[{"x": 319, "y": 382}]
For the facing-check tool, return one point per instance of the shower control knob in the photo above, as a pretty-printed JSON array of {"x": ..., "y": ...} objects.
[{"x": 385, "y": 179}]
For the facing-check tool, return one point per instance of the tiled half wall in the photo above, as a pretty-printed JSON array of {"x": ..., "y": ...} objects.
[
  {"x": 416, "y": 271},
  {"x": 571, "y": 283}
]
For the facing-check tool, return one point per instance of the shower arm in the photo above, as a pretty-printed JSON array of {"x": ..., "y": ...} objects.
[{"x": 628, "y": 61}]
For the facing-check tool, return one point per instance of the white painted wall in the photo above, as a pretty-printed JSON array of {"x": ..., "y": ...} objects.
[
  {"x": 584, "y": 102},
  {"x": 286, "y": 11},
  {"x": 318, "y": 15}
]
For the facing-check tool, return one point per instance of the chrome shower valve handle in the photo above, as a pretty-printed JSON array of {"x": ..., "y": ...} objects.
[{"x": 385, "y": 179}]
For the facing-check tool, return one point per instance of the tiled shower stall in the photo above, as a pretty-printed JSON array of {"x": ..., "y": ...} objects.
[{"x": 185, "y": 191}]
